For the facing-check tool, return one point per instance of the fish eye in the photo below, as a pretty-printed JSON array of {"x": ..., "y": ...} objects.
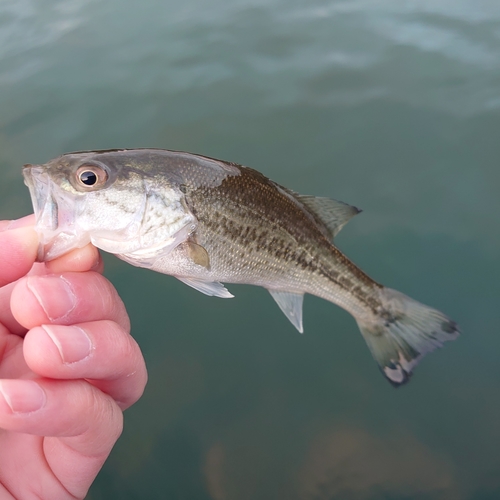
[{"x": 91, "y": 176}]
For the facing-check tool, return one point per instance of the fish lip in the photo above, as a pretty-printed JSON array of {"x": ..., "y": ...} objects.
[
  {"x": 57, "y": 231},
  {"x": 45, "y": 207},
  {"x": 39, "y": 187}
]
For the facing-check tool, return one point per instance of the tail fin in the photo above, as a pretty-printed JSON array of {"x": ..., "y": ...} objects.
[{"x": 404, "y": 333}]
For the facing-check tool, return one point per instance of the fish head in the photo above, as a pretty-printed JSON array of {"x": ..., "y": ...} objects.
[{"x": 86, "y": 197}]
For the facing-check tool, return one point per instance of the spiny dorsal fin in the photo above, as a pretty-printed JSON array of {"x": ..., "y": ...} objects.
[{"x": 333, "y": 215}]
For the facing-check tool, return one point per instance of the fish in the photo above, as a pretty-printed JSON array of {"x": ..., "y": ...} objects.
[{"x": 209, "y": 222}]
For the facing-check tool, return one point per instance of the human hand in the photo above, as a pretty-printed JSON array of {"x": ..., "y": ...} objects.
[{"x": 68, "y": 368}]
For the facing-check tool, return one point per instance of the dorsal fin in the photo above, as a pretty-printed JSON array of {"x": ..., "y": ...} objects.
[{"x": 331, "y": 214}]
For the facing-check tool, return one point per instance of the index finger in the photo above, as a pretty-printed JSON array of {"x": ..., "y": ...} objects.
[
  {"x": 66, "y": 299},
  {"x": 18, "y": 252}
]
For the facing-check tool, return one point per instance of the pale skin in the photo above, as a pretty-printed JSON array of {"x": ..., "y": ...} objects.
[{"x": 68, "y": 368}]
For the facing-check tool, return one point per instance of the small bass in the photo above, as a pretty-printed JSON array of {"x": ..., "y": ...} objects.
[{"x": 208, "y": 222}]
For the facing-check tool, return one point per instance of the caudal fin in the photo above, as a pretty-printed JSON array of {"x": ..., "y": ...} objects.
[{"x": 404, "y": 333}]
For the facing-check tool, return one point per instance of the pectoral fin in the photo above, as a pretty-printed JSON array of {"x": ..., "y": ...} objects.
[
  {"x": 213, "y": 288},
  {"x": 291, "y": 304},
  {"x": 197, "y": 254}
]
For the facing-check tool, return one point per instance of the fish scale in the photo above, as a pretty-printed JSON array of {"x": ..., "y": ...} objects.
[{"x": 292, "y": 246}]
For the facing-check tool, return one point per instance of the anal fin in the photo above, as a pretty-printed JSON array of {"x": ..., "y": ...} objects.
[
  {"x": 212, "y": 288},
  {"x": 291, "y": 305}
]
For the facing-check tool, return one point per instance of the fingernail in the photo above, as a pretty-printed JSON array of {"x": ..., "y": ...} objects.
[
  {"x": 54, "y": 294},
  {"x": 22, "y": 396},
  {"x": 72, "y": 342}
]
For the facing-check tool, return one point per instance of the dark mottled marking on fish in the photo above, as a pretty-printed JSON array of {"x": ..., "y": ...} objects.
[{"x": 252, "y": 196}]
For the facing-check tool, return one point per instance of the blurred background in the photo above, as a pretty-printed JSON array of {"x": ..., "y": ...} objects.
[{"x": 393, "y": 106}]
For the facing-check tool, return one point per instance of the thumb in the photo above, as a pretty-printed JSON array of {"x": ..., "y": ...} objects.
[{"x": 18, "y": 249}]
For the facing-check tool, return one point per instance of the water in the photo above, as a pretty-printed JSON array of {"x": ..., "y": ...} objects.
[{"x": 391, "y": 106}]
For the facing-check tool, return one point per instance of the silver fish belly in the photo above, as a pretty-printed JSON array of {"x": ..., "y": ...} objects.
[{"x": 209, "y": 222}]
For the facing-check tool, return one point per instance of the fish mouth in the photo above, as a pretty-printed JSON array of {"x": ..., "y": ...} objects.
[
  {"x": 44, "y": 204},
  {"x": 57, "y": 233}
]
